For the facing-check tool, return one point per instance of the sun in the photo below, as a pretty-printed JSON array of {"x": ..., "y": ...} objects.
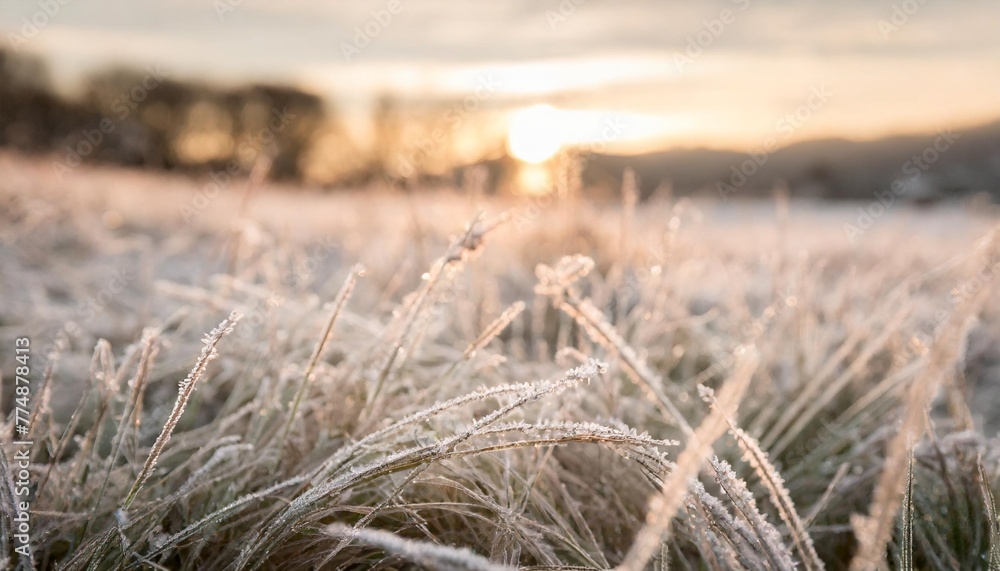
[{"x": 535, "y": 134}]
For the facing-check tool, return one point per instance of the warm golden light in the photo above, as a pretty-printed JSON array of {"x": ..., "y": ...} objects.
[
  {"x": 535, "y": 134},
  {"x": 534, "y": 180}
]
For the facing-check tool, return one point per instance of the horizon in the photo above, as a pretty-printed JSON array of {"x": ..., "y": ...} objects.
[{"x": 670, "y": 74}]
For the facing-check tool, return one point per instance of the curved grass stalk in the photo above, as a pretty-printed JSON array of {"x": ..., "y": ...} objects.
[
  {"x": 187, "y": 387},
  {"x": 307, "y": 376},
  {"x": 665, "y": 504},
  {"x": 425, "y": 457}
]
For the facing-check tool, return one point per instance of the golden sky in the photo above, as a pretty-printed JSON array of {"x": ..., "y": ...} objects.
[{"x": 726, "y": 74}]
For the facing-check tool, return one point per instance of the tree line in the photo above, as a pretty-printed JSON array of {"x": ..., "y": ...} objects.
[{"x": 148, "y": 118}]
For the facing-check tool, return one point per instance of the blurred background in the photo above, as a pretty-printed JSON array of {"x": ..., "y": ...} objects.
[{"x": 730, "y": 99}]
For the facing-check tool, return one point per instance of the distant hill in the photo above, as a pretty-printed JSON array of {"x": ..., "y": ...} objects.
[{"x": 965, "y": 162}]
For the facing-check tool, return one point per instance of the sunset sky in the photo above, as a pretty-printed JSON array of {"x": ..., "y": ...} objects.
[{"x": 726, "y": 74}]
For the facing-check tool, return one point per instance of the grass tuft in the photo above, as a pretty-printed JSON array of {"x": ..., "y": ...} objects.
[{"x": 503, "y": 405}]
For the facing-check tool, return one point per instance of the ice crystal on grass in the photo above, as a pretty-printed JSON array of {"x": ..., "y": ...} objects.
[
  {"x": 365, "y": 413},
  {"x": 187, "y": 387},
  {"x": 430, "y": 555}
]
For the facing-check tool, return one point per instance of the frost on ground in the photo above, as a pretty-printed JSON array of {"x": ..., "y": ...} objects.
[{"x": 454, "y": 381}]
